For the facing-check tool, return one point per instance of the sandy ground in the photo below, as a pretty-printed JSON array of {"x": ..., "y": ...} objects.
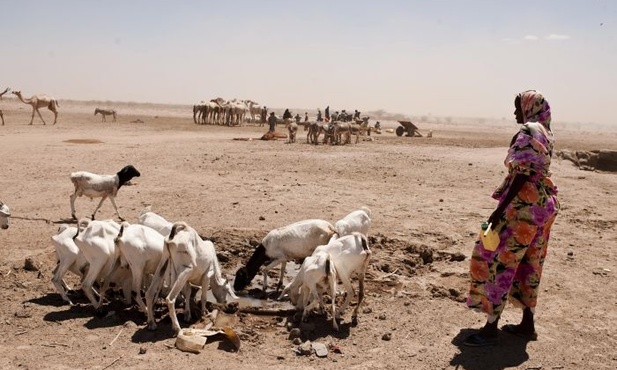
[{"x": 428, "y": 198}]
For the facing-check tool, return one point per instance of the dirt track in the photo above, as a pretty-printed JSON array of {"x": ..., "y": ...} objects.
[{"x": 428, "y": 198}]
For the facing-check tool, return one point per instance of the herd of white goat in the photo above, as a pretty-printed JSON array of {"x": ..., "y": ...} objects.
[{"x": 165, "y": 259}]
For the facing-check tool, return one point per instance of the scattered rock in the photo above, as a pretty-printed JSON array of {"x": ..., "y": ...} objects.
[
  {"x": 294, "y": 333},
  {"x": 130, "y": 325},
  {"x": 334, "y": 348},
  {"x": 142, "y": 350},
  {"x": 297, "y": 341},
  {"x": 305, "y": 349},
  {"x": 320, "y": 349},
  {"x": 262, "y": 218},
  {"x": 382, "y": 316},
  {"x": 386, "y": 336},
  {"x": 366, "y": 310}
]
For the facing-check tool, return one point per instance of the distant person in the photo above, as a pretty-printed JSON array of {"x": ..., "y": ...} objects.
[
  {"x": 327, "y": 112},
  {"x": 287, "y": 114},
  {"x": 305, "y": 116},
  {"x": 298, "y": 118},
  {"x": 264, "y": 114},
  {"x": 356, "y": 114},
  {"x": 335, "y": 116},
  {"x": 319, "y": 117},
  {"x": 272, "y": 122},
  {"x": 523, "y": 218}
]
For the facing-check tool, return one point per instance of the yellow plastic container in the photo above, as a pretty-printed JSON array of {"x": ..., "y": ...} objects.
[{"x": 489, "y": 237}]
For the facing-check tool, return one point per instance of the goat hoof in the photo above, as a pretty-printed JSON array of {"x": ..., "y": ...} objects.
[{"x": 152, "y": 326}]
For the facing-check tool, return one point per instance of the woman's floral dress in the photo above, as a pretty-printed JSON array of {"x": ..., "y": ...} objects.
[{"x": 514, "y": 269}]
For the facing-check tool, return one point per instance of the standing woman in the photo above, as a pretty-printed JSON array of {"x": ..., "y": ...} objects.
[{"x": 523, "y": 218}]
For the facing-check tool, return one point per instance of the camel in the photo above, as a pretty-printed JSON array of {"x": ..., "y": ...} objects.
[
  {"x": 104, "y": 113},
  {"x": 2, "y": 115},
  {"x": 40, "y": 101}
]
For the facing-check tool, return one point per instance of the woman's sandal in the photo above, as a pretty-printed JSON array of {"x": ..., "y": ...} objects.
[{"x": 513, "y": 329}]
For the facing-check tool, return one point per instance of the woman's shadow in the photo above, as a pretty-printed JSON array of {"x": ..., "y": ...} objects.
[{"x": 510, "y": 352}]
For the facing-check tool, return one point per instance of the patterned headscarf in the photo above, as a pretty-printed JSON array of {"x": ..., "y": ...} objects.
[{"x": 535, "y": 108}]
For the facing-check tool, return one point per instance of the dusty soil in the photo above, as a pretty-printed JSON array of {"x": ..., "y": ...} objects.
[{"x": 428, "y": 197}]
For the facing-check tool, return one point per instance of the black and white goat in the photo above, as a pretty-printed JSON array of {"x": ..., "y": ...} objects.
[
  {"x": 295, "y": 241},
  {"x": 100, "y": 186}
]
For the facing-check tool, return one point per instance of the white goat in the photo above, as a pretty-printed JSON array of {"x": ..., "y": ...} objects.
[
  {"x": 69, "y": 258},
  {"x": 100, "y": 186},
  {"x": 316, "y": 275},
  {"x": 95, "y": 239},
  {"x": 359, "y": 221},
  {"x": 153, "y": 220},
  {"x": 295, "y": 241},
  {"x": 141, "y": 247},
  {"x": 5, "y": 213},
  {"x": 193, "y": 261},
  {"x": 350, "y": 254}
]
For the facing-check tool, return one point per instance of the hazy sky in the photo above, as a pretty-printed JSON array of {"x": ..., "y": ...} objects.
[{"x": 450, "y": 58}]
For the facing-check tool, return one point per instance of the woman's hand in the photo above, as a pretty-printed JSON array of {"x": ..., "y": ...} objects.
[{"x": 494, "y": 218}]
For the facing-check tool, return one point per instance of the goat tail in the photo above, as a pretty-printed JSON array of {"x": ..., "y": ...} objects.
[
  {"x": 365, "y": 243},
  {"x": 367, "y": 211},
  {"x": 178, "y": 226},
  {"x": 82, "y": 224},
  {"x": 120, "y": 232},
  {"x": 328, "y": 267}
]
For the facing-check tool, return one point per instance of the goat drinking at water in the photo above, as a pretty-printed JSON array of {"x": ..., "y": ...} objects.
[{"x": 295, "y": 241}]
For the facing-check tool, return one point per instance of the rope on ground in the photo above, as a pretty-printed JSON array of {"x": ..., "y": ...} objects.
[{"x": 32, "y": 219}]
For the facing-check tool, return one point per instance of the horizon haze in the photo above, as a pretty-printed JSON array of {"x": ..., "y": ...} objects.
[{"x": 439, "y": 58}]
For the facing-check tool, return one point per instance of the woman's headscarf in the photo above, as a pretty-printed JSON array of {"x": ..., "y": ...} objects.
[{"x": 535, "y": 108}]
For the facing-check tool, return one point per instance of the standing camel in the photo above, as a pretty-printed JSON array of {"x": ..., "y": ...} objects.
[
  {"x": 40, "y": 101},
  {"x": 2, "y": 115}
]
